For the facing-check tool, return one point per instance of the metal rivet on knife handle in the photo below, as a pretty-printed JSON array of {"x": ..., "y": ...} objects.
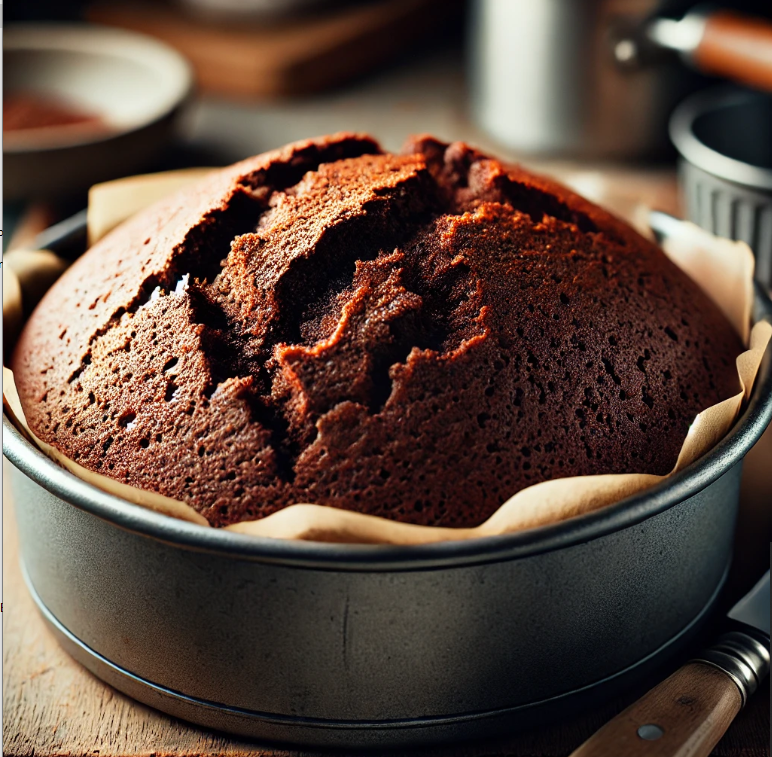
[
  {"x": 650, "y": 732},
  {"x": 686, "y": 714}
]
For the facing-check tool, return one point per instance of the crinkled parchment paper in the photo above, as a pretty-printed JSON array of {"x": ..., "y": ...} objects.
[{"x": 724, "y": 269}]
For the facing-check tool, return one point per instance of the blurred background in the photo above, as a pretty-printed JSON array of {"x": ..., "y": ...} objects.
[{"x": 582, "y": 89}]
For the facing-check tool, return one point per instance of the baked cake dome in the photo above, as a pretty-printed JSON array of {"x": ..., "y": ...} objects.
[{"x": 416, "y": 336}]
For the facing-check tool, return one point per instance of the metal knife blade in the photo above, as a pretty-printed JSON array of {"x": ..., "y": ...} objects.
[{"x": 753, "y": 608}]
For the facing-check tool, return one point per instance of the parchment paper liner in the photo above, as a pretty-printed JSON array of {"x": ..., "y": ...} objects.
[{"x": 724, "y": 269}]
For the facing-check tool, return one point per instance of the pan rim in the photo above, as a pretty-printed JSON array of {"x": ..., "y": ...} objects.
[{"x": 367, "y": 558}]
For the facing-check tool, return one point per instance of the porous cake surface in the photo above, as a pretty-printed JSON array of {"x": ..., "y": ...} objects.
[{"x": 417, "y": 336}]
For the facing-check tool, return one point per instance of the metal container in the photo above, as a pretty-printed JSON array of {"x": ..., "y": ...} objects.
[
  {"x": 724, "y": 137},
  {"x": 600, "y": 77},
  {"x": 546, "y": 78},
  {"x": 329, "y": 645}
]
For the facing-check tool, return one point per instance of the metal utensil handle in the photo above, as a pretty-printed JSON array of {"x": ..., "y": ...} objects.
[{"x": 689, "y": 712}]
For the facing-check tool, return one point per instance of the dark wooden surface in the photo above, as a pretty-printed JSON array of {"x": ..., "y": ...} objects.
[{"x": 298, "y": 55}]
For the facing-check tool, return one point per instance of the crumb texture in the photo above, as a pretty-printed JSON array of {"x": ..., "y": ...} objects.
[{"x": 417, "y": 336}]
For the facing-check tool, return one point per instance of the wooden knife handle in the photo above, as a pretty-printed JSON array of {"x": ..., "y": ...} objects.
[
  {"x": 736, "y": 47},
  {"x": 684, "y": 716}
]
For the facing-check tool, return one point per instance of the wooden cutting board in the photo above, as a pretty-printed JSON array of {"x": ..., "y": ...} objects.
[{"x": 298, "y": 55}]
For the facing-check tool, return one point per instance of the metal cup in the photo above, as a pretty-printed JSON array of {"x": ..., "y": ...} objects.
[
  {"x": 547, "y": 78},
  {"x": 724, "y": 137}
]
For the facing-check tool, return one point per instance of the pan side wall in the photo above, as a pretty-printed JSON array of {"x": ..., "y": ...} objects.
[{"x": 347, "y": 645}]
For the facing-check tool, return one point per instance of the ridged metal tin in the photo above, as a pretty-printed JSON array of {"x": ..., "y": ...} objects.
[{"x": 728, "y": 196}]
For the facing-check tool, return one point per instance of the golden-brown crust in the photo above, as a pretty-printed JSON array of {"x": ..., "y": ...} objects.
[{"x": 416, "y": 336}]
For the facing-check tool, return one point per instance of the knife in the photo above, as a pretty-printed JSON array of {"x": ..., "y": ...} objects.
[{"x": 687, "y": 714}]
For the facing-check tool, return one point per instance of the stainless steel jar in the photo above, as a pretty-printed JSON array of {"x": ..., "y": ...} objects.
[
  {"x": 600, "y": 77},
  {"x": 546, "y": 78}
]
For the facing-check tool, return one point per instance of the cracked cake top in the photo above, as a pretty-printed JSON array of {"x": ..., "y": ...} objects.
[{"x": 417, "y": 336}]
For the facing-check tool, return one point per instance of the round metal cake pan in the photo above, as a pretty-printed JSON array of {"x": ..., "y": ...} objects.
[{"x": 346, "y": 646}]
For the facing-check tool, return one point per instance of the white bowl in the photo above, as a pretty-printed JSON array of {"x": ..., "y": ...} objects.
[{"x": 135, "y": 84}]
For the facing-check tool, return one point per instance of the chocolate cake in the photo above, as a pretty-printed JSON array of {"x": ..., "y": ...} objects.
[{"x": 417, "y": 336}]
